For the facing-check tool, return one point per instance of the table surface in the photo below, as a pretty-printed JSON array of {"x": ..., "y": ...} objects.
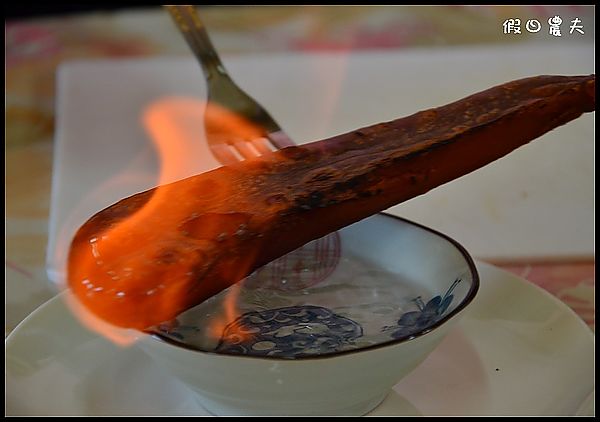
[{"x": 34, "y": 49}]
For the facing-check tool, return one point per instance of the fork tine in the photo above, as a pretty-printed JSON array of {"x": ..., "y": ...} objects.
[
  {"x": 245, "y": 150},
  {"x": 223, "y": 154},
  {"x": 280, "y": 139},
  {"x": 261, "y": 145},
  {"x": 224, "y": 92}
]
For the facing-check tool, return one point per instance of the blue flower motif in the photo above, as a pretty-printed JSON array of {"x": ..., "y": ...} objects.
[{"x": 426, "y": 315}]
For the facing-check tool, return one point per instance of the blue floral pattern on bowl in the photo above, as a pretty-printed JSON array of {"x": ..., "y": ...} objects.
[
  {"x": 289, "y": 332},
  {"x": 309, "y": 330},
  {"x": 428, "y": 314}
]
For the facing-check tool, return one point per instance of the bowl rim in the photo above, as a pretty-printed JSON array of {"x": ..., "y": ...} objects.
[{"x": 393, "y": 342}]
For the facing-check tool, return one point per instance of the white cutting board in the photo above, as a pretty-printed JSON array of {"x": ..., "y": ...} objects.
[{"x": 536, "y": 203}]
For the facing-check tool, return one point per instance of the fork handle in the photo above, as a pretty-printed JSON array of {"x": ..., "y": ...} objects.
[{"x": 189, "y": 23}]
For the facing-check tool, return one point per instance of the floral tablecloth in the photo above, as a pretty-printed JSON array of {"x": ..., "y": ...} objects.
[{"x": 34, "y": 49}]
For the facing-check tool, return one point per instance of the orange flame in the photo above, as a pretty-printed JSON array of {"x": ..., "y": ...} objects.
[
  {"x": 118, "y": 336},
  {"x": 228, "y": 317},
  {"x": 103, "y": 268}
]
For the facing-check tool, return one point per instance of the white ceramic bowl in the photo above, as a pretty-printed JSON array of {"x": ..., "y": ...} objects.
[{"x": 331, "y": 345}]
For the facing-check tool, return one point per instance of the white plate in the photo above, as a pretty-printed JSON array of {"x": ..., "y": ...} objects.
[{"x": 517, "y": 351}]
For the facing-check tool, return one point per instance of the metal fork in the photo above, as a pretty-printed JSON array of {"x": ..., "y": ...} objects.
[
  {"x": 317, "y": 259},
  {"x": 224, "y": 92}
]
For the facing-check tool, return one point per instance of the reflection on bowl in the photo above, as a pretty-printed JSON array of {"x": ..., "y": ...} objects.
[{"x": 335, "y": 347}]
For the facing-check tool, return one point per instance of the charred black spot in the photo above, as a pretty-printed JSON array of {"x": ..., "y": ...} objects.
[
  {"x": 350, "y": 184},
  {"x": 314, "y": 200},
  {"x": 369, "y": 193}
]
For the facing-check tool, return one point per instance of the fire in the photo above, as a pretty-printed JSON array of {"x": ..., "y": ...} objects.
[
  {"x": 228, "y": 316},
  {"x": 118, "y": 336},
  {"x": 111, "y": 273}
]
